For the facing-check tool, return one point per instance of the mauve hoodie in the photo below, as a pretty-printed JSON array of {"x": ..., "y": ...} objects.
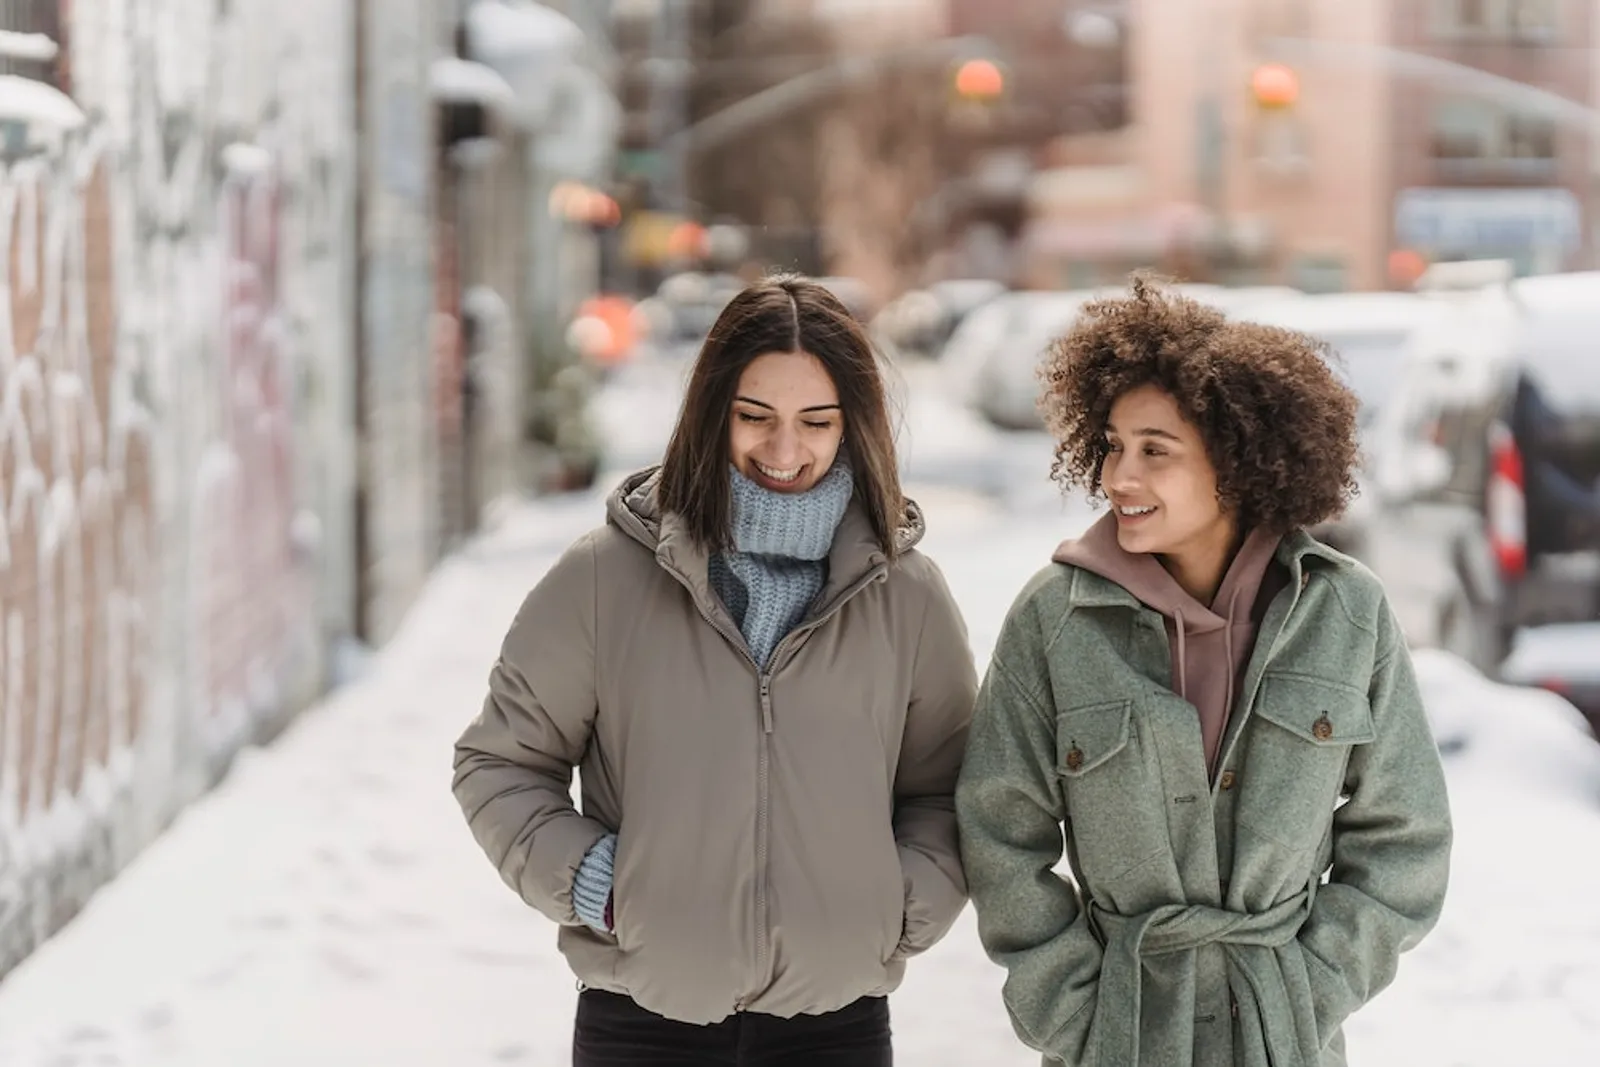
[{"x": 1211, "y": 643}]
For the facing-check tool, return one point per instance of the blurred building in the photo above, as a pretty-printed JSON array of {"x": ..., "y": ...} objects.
[
  {"x": 1332, "y": 144},
  {"x": 1478, "y": 172},
  {"x": 864, "y": 182}
]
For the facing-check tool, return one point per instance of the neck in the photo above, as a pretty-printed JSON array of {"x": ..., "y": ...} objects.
[{"x": 1198, "y": 569}]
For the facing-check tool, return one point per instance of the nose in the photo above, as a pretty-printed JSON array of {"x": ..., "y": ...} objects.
[
  {"x": 1118, "y": 475},
  {"x": 784, "y": 446}
]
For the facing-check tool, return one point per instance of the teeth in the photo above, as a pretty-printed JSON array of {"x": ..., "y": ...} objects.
[
  {"x": 777, "y": 475},
  {"x": 1137, "y": 511}
]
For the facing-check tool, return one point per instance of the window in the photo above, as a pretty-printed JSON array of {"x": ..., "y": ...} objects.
[
  {"x": 1533, "y": 20},
  {"x": 1472, "y": 14},
  {"x": 1529, "y": 21},
  {"x": 1475, "y": 136}
]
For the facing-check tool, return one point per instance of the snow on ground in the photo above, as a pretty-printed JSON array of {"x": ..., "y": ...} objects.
[{"x": 326, "y": 907}]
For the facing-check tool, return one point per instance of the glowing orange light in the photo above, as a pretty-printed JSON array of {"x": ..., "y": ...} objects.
[
  {"x": 687, "y": 241},
  {"x": 1406, "y": 266},
  {"x": 1275, "y": 86},
  {"x": 979, "y": 79}
]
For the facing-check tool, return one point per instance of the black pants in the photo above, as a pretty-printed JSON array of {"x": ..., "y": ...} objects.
[{"x": 613, "y": 1031}]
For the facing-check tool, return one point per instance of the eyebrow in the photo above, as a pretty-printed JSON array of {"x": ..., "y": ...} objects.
[
  {"x": 1148, "y": 431},
  {"x": 769, "y": 407}
]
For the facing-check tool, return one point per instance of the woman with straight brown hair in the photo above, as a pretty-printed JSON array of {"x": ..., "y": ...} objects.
[{"x": 767, "y": 689}]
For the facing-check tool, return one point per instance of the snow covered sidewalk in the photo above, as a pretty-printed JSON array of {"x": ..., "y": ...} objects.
[{"x": 326, "y": 906}]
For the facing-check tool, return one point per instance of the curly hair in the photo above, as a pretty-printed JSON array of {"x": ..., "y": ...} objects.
[{"x": 1278, "y": 425}]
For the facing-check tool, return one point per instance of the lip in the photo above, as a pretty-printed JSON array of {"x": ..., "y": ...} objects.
[
  {"x": 1133, "y": 520},
  {"x": 791, "y": 486}
]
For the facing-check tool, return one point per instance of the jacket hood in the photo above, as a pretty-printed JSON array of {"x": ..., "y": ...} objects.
[
  {"x": 1143, "y": 575},
  {"x": 634, "y": 508}
]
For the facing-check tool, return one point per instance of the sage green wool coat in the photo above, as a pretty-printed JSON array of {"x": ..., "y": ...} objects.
[{"x": 1234, "y": 921}]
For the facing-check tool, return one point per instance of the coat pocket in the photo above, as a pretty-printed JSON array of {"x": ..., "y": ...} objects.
[
  {"x": 1088, "y": 737},
  {"x": 1298, "y": 748},
  {"x": 1115, "y": 820},
  {"x": 1323, "y": 712}
]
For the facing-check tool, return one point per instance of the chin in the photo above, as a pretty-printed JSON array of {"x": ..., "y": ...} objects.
[{"x": 1141, "y": 542}]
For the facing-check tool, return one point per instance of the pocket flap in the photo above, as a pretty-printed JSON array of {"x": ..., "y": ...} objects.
[
  {"x": 1318, "y": 710},
  {"x": 1088, "y": 736}
]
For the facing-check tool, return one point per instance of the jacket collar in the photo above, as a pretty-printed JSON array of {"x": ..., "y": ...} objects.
[
  {"x": 1298, "y": 552},
  {"x": 854, "y": 558}
]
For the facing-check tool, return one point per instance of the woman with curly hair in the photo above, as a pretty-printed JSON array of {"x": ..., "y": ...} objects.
[{"x": 1215, "y": 714}]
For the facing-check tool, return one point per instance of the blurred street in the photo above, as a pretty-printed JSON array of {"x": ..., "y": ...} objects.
[
  {"x": 327, "y": 907},
  {"x": 326, "y": 326}
]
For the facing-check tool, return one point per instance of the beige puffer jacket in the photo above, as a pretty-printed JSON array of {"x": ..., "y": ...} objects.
[{"x": 785, "y": 839}]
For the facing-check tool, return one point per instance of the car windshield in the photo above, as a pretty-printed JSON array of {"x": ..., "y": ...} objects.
[{"x": 1563, "y": 356}]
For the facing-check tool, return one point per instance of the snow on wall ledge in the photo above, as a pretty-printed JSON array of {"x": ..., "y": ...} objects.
[{"x": 163, "y": 311}]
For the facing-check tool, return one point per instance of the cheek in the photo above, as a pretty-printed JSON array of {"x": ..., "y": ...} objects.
[
  {"x": 741, "y": 439},
  {"x": 1194, "y": 493},
  {"x": 827, "y": 447}
]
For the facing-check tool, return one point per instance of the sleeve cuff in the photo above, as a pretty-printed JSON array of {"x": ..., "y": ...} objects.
[{"x": 591, "y": 888}]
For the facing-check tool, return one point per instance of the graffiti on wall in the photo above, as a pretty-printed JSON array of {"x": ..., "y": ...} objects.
[
  {"x": 76, "y": 464},
  {"x": 173, "y": 335}
]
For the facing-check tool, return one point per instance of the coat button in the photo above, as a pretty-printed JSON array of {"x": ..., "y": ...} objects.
[
  {"x": 1322, "y": 729},
  {"x": 1227, "y": 780},
  {"x": 1074, "y": 758}
]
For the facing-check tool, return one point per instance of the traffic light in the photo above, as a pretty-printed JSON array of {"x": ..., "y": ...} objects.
[
  {"x": 979, "y": 81},
  {"x": 1275, "y": 87}
]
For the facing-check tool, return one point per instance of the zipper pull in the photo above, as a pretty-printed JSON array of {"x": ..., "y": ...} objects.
[{"x": 766, "y": 706}]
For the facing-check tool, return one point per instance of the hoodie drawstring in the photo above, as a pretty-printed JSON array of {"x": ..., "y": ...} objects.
[
  {"x": 1227, "y": 651},
  {"x": 1183, "y": 654}
]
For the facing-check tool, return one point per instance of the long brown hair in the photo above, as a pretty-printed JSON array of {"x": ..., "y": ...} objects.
[{"x": 785, "y": 313}]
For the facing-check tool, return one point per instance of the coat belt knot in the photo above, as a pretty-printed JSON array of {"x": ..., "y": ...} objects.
[{"x": 1258, "y": 947}]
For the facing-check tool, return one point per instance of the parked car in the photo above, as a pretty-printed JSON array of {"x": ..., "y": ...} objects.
[
  {"x": 1488, "y": 469},
  {"x": 1370, "y": 334},
  {"x": 991, "y": 361},
  {"x": 995, "y": 355}
]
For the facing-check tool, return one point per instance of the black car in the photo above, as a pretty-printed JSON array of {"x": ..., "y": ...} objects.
[{"x": 1489, "y": 469}]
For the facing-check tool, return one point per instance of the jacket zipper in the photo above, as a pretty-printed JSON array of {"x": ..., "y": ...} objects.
[
  {"x": 763, "y": 766},
  {"x": 738, "y": 642},
  {"x": 763, "y": 829}
]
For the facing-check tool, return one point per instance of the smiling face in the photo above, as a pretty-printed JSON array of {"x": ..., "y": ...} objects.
[
  {"x": 1163, "y": 489},
  {"x": 786, "y": 424}
]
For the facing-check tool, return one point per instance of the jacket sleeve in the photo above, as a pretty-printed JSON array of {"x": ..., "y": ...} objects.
[
  {"x": 514, "y": 762},
  {"x": 1391, "y": 848},
  {"x": 1012, "y": 810},
  {"x": 944, "y": 684}
]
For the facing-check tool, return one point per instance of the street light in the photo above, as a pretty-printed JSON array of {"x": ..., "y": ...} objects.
[
  {"x": 1275, "y": 86},
  {"x": 979, "y": 80}
]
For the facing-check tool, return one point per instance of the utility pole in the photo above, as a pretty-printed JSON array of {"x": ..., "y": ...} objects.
[
  {"x": 1211, "y": 131},
  {"x": 670, "y": 69}
]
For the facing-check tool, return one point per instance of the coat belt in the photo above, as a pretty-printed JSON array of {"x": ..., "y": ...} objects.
[{"x": 1256, "y": 946}]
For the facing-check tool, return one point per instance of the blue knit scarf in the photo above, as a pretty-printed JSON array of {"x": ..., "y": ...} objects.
[{"x": 779, "y": 562}]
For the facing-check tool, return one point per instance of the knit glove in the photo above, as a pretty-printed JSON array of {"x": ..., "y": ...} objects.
[{"x": 591, "y": 888}]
